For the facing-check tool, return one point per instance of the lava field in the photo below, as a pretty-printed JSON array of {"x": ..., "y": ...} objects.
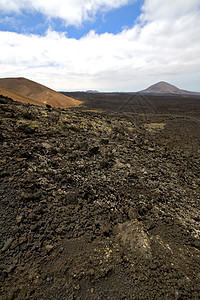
[{"x": 100, "y": 201}]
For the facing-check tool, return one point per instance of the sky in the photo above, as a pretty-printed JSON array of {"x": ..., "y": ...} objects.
[{"x": 104, "y": 45}]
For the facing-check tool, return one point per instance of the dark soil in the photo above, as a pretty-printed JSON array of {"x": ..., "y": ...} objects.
[{"x": 100, "y": 202}]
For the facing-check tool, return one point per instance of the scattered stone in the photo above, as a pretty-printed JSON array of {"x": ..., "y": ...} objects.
[
  {"x": 151, "y": 149},
  {"x": 47, "y": 146},
  {"x": 22, "y": 240},
  {"x": 19, "y": 219},
  {"x": 7, "y": 244},
  {"x": 133, "y": 236},
  {"x": 49, "y": 248}
]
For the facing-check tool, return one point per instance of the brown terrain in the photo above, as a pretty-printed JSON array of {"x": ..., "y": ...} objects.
[
  {"x": 166, "y": 88},
  {"x": 18, "y": 97},
  {"x": 101, "y": 201},
  {"x": 28, "y": 91}
]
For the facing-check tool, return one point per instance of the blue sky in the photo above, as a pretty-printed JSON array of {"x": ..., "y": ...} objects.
[
  {"x": 36, "y": 23},
  {"x": 108, "y": 45}
]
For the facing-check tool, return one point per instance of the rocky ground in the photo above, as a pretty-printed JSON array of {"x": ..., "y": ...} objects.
[{"x": 100, "y": 204}]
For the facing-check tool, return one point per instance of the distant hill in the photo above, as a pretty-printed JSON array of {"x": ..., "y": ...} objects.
[
  {"x": 166, "y": 88},
  {"x": 27, "y": 91},
  {"x": 92, "y": 91}
]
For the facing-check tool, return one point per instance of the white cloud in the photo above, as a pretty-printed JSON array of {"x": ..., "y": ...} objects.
[
  {"x": 169, "y": 9},
  {"x": 73, "y": 12},
  {"x": 159, "y": 49}
]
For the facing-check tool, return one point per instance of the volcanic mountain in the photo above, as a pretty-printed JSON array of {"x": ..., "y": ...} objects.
[
  {"x": 27, "y": 91},
  {"x": 163, "y": 87}
]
